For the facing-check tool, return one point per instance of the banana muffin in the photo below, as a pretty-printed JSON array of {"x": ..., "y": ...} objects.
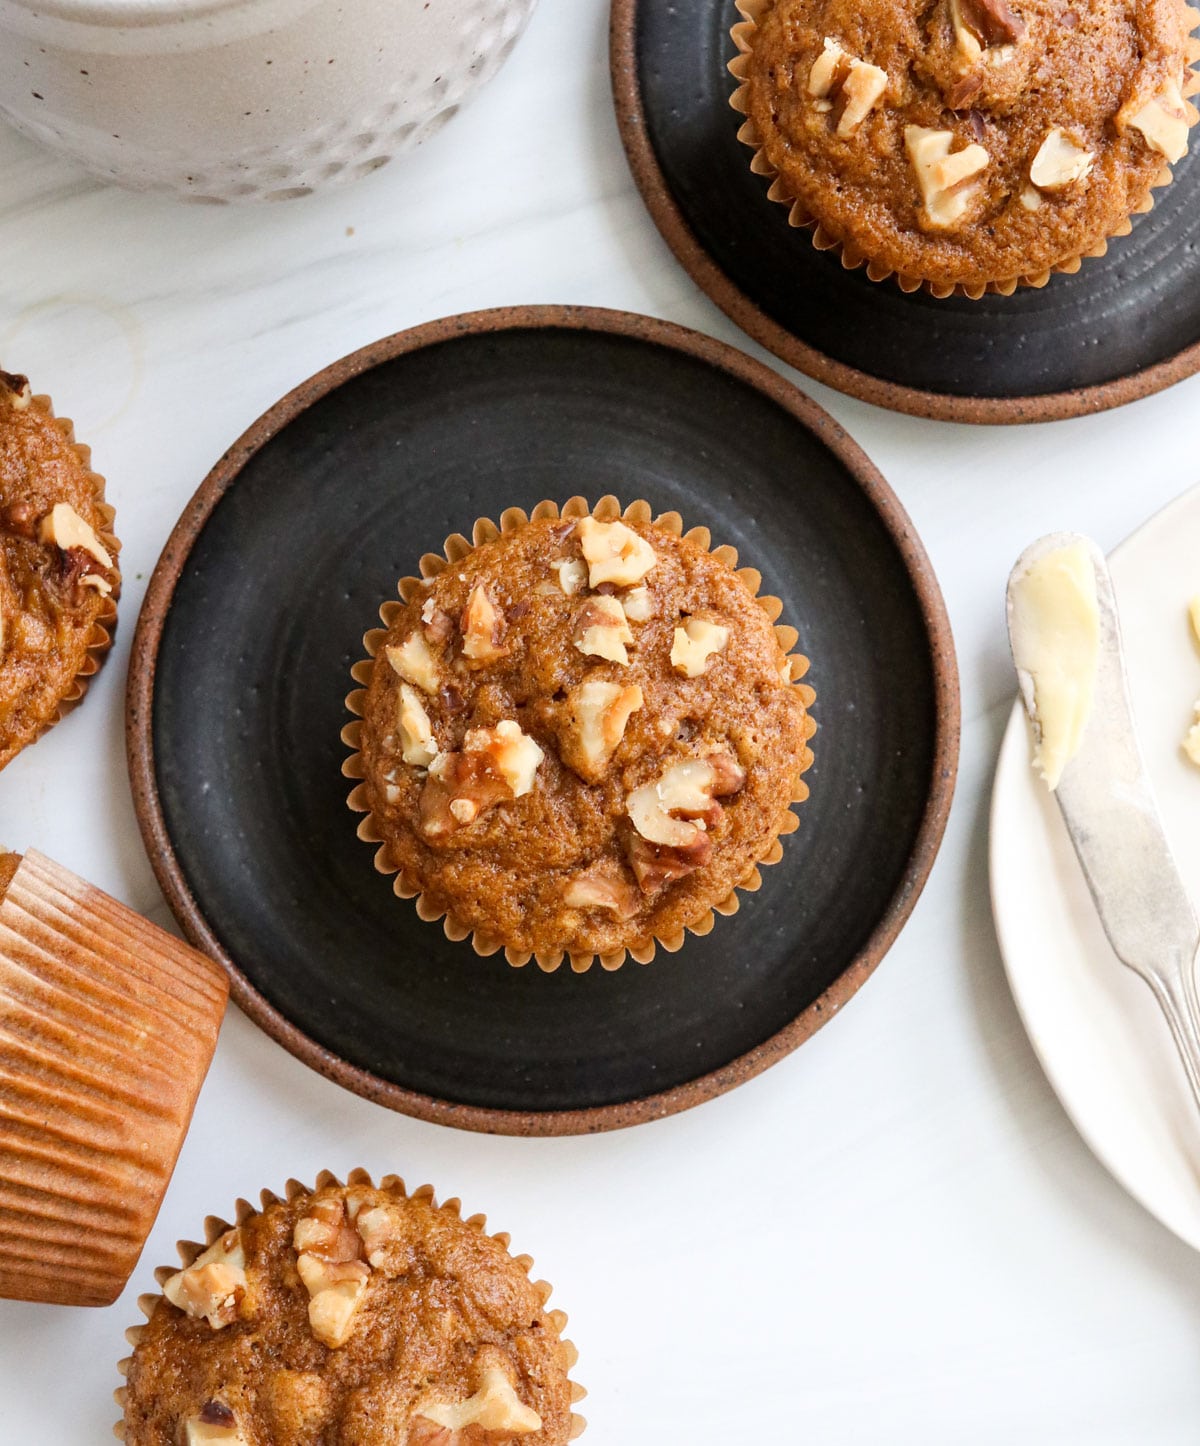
[
  {"x": 58, "y": 567},
  {"x": 965, "y": 144},
  {"x": 581, "y": 735},
  {"x": 353, "y": 1314}
]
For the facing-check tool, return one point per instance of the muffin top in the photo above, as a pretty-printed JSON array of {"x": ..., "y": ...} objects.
[
  {"x": 58, "y": 570},
  {"x": 968, "y": 141},
  {"x": 357, "y": 1315},
  {"x": 581, "y": 735}
]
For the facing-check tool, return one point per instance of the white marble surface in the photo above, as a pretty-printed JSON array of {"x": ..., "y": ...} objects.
[{"x": 894, "y": 1236}]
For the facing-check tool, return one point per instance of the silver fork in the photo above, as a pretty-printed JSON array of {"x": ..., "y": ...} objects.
[{"x": 1114, "y": 824}]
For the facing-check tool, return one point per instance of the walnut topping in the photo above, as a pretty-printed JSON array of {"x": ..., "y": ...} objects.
[
  {"x": 602, "y": 887},
  {"x": 418, "y": 745},
  {"x": 377, "y": 1229},
  {"x": 694, "y": 643},
  {"x": 945, "y": 177},
  {"x": 836, "y": 73},
  {"x": 602, "y": 630},
  {"x": 494, "y": 1409},
  {"x": 599, "y": 711},
  {"x": 1162, "y": 120},
  {"x": 638, "y": 604},
  {"x": 984, "y": 23},
  {"x": 413, "y": 661},
  {"x": 677, "y": 806},
  {"x": 483, "y": 627},
  {"x": 213, "y": 1286},
  {"x": 64, "y": 527},
  {"x": 1059, "y": 162},
  {"x": 438, "y": 626},
  {"x": 15, "y": 390},
  {"x": 460, "y": 787},
  {"x": 515, "y": 755},
  {"x": 614, "y": 553},
  {"x": 1031, "y": 198},
  {"x": 328, "y": 1260},
  {"x": 656, "y": 865},
  {"x": 215, "y": 1425},
  {"x": 572, "y": 574}
]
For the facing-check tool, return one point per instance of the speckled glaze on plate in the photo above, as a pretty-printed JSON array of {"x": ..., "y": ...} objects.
[
  {"x": 1124, "y": 326},
  {"x": 256, "y": 612}
]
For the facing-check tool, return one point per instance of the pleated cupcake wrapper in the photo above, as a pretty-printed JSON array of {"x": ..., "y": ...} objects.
[
  {"x": 215, "y": 1227},
  {"x": 101, "y": 637},
  {"x": 851, "y": 256},
  {"x": 457, "y": 546},
  {"x": 107, "y": 1028}
]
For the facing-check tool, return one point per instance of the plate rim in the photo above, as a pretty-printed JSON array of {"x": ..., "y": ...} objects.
[
  {"x": 1012, "y": 736},
  {"x": 721, "y": 289},
  {"x": 160, "y": 591}
]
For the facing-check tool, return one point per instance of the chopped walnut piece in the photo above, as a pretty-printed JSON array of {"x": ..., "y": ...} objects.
[
  {"x": 602, "y": 630},
  {"x": 413, "y": 661},
  {"x": 1162, "y": 121},
  {"x": 728, "y": 774},
  {"x": 599, "y": 711},
  {"x": 326, "y": 1232},
  {"x": 460, "y": 787},
  {"x": 836, "y": 73},
  {"x": 213, "y": 1286},
  {"x": 483, "y": 628},
  {"x": 602, "y": 887},
  {"x": 677, "y": 806},
  {"x": 987, "y": 23},
  {"x": 417, "y": 743},
  {"x": 15, "y": 390},
  {"x": 943, "y": 176},
  {"x": 638, "y": 603},
  {"x": 65, "y": 529},
  {"x": 215, "y": 1425},
  {"x": 656, "y": 865},
  {"x": 515, "y": 755},
  {"x": 495, "y": 1407},
  {"x": 377, "y": 1229},
  {"x": 572, "y": 575},
  {"x": 1031, "y": 198},
  {"x": 694, "y": 643},
  {"x": 437, "y": 625},
  {"x": 1059, "y": 162},
  {"x": 335, "y": 1294},
  {"x": 614, "y": 553}
]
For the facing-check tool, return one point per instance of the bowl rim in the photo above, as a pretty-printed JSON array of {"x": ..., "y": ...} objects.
[
  {"x": 139, "y": 718},
  {"x": 756, "y": 323}
]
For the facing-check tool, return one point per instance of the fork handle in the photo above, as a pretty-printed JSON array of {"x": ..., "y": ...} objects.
[{"x": 1178, "y": 1000}]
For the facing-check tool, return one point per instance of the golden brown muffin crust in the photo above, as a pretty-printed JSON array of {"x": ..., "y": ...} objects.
[
  {"x": 515, "y": 870},
  {"x": 445, "y": 1316},
  {"x": 1039, "y": 66},
  {"x": 49, "y": 611},
  {"x": 9, "y": 864}
]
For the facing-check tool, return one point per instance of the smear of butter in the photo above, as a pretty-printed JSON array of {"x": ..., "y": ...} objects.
[
  {"x": 1191, "y": 743},
  {"x": 1055, "y": 633}
]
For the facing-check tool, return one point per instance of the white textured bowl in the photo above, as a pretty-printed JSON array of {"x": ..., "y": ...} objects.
[{"x": 230, "y": 100}]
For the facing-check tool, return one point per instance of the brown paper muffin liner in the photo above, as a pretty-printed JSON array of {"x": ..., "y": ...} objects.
[
  {"x": 215, "y": 1227},
  {"x": 852, "y": 258},
  {"x": 108, "y": 1025},
  {"x": 456, "y": 547},
  {"x": 100, "y": 639}
]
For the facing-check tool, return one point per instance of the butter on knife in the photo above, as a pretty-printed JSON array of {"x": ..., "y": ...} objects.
[{"x": 1054, "y": 627}]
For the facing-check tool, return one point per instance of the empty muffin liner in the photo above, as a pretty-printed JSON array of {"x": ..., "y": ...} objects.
[
  {"x": 457, "y": 546},
  {"x": 109, "y": 1025},
  {"x": 101, "y": 637},
  {"x": 215, "y": 1227},
  {"x": 851, "y": 256}
]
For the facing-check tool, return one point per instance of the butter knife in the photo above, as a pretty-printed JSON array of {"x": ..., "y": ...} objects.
[{"x": 1111, "y": 815}]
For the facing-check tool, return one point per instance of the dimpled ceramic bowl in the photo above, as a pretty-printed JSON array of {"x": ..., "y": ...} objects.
[{"x": 229, "y": 100}]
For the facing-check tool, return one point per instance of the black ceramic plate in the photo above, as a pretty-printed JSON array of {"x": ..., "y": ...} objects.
[
  {"x": 1123, "y": 326},
  {"x": 257, "y": 611}
]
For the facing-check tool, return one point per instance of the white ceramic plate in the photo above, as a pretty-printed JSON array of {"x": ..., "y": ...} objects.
[{"x": 1094, "y": 1025}]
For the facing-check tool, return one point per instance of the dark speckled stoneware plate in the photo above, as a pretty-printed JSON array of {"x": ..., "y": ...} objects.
[
  {"x": 256, "y": 613},
  {"x": 1123, "y": 326}
]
